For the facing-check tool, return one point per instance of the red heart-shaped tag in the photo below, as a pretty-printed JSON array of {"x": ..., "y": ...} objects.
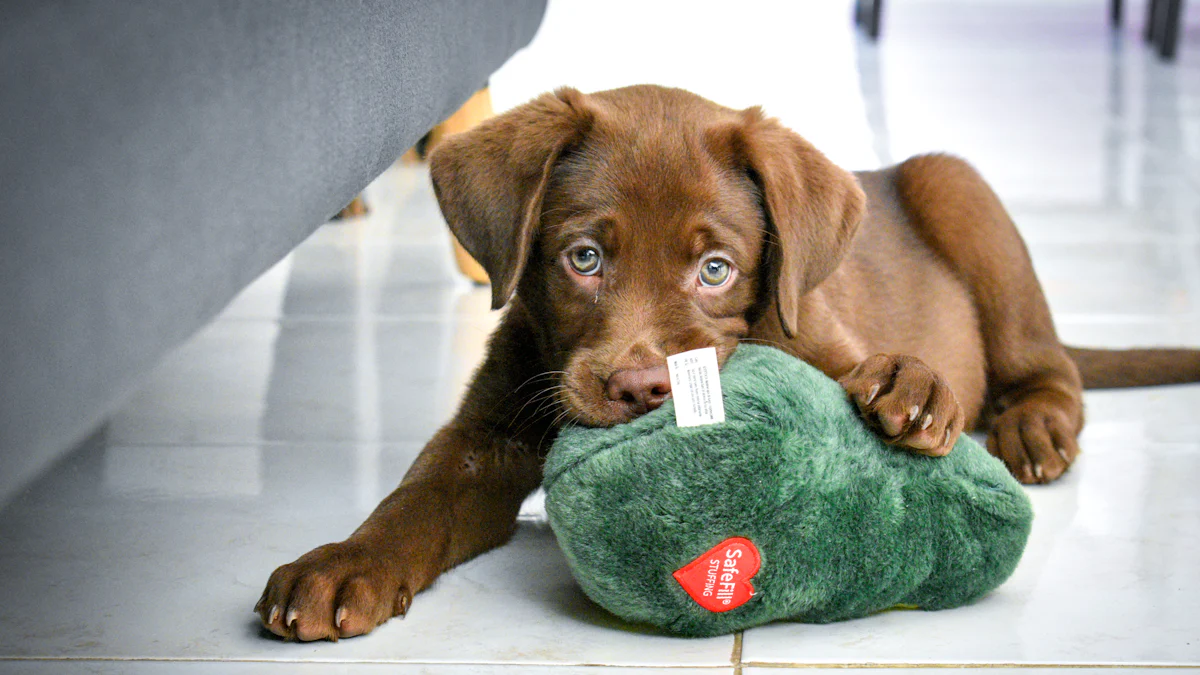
[{"x": 719, "y": 580}]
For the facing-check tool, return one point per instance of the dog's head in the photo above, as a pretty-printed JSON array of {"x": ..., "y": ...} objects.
[{"x": 642, "y": 222}]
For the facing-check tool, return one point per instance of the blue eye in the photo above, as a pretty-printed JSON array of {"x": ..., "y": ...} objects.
[
  {"x": 715, "y": 272},
  {"x": 585, "y": 260}
]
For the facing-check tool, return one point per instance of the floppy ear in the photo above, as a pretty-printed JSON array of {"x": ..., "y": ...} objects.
[
  {"x": 490, "y": 181},
  {"x": 813, "y": 207}
]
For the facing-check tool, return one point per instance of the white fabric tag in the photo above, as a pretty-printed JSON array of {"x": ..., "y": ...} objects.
[{"x": 696, "y": 388}]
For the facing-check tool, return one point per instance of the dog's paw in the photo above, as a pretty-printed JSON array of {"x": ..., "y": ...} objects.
[
  {"x": 906, "y": 403},
  {"x": 335, "y": 591},
  {"x": 1035, "y": 441}
]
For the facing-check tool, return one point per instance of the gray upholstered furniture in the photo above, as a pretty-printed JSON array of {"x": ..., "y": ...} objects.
[{"x": 157, "y": 155}]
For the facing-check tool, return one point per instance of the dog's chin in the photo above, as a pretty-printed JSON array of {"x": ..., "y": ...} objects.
[{"x": 596, "y": 413}]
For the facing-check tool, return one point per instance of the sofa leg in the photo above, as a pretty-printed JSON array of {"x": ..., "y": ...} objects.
[{"x": 477, "y": 109}]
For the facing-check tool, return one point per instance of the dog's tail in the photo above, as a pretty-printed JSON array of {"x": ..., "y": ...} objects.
[{"x": 1112, "y": 368}]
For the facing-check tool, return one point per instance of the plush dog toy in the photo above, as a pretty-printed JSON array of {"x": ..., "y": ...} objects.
[{"x": 790, "y": 509}]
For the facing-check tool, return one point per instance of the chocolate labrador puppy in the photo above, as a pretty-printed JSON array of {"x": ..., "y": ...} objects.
[{"x": 624, "y": 226}]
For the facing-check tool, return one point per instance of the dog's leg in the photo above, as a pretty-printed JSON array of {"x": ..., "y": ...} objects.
[
  {"x": 459, "y": 499},
  {"x": 357, "y": 207},
  {"x": 1034, "y": 389}
]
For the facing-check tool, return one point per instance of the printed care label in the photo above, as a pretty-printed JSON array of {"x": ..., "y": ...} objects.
[{"x": 696, "y": 388}]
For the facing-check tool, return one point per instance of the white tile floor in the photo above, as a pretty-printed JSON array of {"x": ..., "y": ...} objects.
[{"x": 281, "y": 425}]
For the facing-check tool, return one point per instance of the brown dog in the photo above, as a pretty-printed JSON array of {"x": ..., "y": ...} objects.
[{"x": 628, "y": 225}]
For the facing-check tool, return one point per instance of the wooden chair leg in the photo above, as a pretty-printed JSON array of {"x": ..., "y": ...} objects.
[
  {"x": 467, "y": 265},
  {"x": 477, "y": 109},
  {"x": 354, "y": 209}
]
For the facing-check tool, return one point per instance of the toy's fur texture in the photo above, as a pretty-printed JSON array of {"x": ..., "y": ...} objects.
[{"x": 846, "y": 525}]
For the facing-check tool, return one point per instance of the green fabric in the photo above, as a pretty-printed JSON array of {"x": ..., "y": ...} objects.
[{"x": 846, "y": 526}]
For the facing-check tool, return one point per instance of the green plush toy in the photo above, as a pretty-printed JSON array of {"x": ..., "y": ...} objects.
[{"x": 790, "y": 509}]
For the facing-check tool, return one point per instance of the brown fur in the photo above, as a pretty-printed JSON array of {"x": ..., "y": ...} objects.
[
  {"x": 357, "y": 207},
  {"x": 910, "y": 285}
]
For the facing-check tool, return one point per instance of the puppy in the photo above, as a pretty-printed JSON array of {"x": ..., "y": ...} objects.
[{"x": 624, "y": 226}]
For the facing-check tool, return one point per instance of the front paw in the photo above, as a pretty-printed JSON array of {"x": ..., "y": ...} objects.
[
  {"x": 335, "y": 591},
  {"x": 906, "y": 403},
  {"x": 1035, "y": 438}
]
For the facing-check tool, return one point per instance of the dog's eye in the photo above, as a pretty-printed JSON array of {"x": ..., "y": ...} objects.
[
  {"x": 715, "y": 272},
  {"x": 585, "y": 260}
]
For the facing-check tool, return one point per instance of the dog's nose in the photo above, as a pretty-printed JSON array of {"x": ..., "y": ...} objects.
[{"x": 642, "y": 390}]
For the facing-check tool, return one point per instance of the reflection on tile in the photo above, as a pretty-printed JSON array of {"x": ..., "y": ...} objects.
[
  {"x": 773, "y": 669},
  {"x": 158, "y": 564},
  {"x": 368, "y": 278},
  {"x": 300, "y": 668},
  {"x": 1118, "y": 331},
  {"x": 249, "y": 381},
  {"x": 1109, "y": 576},
  {"x": 1115, "y": 278},
  {"x": 796, "y": 59},
  {"x": 155, "y": 472}
]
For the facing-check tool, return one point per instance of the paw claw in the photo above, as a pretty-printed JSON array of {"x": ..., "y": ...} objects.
[
  {"x": 404, "y": 601},
  {"x": 339, "y": 616},
  {"x": 337, "y": 590},
  {"x": 917, "y": 406},
  {"x": 1035, "y": 438}
]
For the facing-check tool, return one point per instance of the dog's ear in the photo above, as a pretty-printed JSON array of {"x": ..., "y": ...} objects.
[
  {"x": 813, "y": 207},
  {"x": 490, "y": 181}
]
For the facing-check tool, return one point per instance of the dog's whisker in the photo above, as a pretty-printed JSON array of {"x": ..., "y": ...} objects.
[
  {"x": 758, "y": 341},
  {"x": 537, "y": 399},
  {"x": 539, "y": 413},
  {"x": 539, "y": 396},
  {"x": 546, "y": 375},
  {"x": 566, "y": 416},
  {"x": 549, "y": 404}
]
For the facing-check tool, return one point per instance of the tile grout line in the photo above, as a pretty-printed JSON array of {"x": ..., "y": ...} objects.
[
  {"x": 270, "y": 444},
  {"x": 349, "y": 319},
  {"x": 965, "y": 666},
  {"x": 736, "y": 661},
  {"x": 348, "y": 662},
  {"x": 1117, "y": 318}
]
